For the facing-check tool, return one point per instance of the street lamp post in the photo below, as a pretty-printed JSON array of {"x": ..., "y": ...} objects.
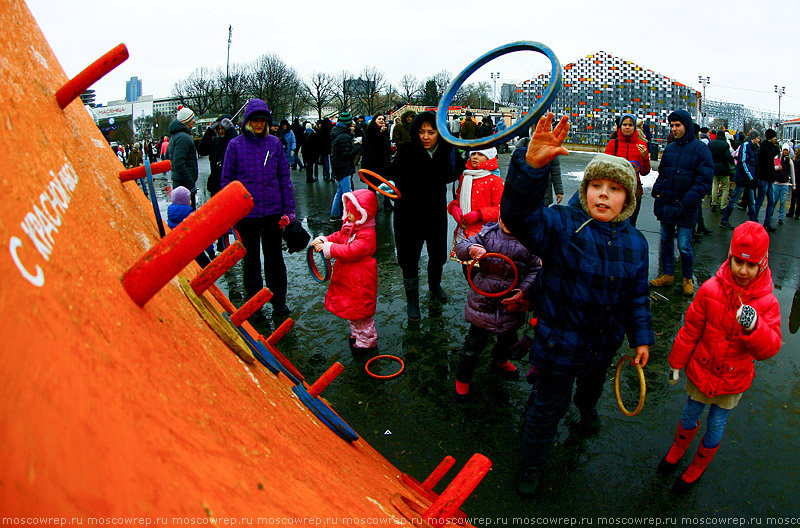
[
  {"x": 780, "y": 91},
  {"x": 705, "y": 82},
  {"x": 228, "y": 66},
  {"x": 494, "y": 77}
]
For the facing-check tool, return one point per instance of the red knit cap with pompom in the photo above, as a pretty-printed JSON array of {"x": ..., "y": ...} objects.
[{"x": 750, "y": 243}]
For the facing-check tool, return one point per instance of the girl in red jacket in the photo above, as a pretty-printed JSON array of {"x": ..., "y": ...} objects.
[
  {"x": 477, "y": 200},
  {"x": 353, "y": 289},
  {"x": 733, "y": 320}
]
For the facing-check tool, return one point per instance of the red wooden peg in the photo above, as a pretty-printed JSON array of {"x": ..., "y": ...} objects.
[
  {"x": 217, "y": 268},
  {"x": 451, "y": 499},
  {"x": 140, "y": 172},
  {"x": 250, "y": 307},
  {"x": 437, "y": 474},
  {"x": 200, "y": 229},
  {"x": 325, "y": 380},
  {"x": 93, "y": 73}
]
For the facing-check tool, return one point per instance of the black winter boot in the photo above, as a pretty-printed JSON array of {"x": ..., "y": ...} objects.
[
  {"x": 435, "y": 283},
  {"x": 528, "y": 482},
  {"x": 412, "y": 296}
]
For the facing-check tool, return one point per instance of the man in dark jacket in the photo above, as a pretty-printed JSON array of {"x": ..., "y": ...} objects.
[
  {"x": 745, "y": 178},
  {"x": 311, "y": 153},
  {"x": 182, "y": 154},
  {"x": 723, "y": 161},
  {"x": 766, "y": 176},
  {"x": 213, "y": 144},
  {"x": 468, "y": 128},
  {"x": 344, "y": 150},
  {"x": 684, "y": 178},
  {"x": 299, "y": 137}
]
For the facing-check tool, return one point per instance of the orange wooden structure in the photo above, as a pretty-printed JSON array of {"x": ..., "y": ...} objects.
[{"x": 109, "y": 408}]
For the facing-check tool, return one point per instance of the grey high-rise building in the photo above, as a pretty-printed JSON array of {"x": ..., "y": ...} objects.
[{"x": 133, "y": 89}]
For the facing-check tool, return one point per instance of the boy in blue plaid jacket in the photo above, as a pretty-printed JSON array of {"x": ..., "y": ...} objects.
[{"x": 594, "y": 285}]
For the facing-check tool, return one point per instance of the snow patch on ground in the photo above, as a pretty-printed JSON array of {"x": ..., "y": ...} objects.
[{"x": 647, "y": 181}]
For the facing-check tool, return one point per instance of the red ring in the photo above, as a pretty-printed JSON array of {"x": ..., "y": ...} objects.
[
  {"x": 374, "y": 187},
  {"x": 498, "y": 294},
  {"x": 390, "y": 376}
]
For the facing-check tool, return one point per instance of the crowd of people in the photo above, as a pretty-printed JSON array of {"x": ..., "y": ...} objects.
[{"x": 581, "y": 267}]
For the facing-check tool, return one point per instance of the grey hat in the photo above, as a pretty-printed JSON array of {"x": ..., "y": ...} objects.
[
  {"x": 753, "y": 134},
  {"x": 616, "y": 169}
]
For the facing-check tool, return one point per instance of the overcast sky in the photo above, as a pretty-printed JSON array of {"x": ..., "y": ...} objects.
[{"x": 744, "y": 47}]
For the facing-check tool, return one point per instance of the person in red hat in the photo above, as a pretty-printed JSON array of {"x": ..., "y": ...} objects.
[
  {"x": 353, "y": 292},
  {"x": 733, "y": 320}
]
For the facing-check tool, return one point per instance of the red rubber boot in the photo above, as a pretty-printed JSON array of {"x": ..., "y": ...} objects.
[
  {"x": 702, "y": 459},
  {"x": 683, "y": 438}
]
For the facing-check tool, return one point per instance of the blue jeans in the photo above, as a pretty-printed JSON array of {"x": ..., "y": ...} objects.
[
  {"x": 684, "y": 247},
  {"x": 780, "y": 198},
  {"x": 326, "y": 166},
  {"x": 715, "y": 424},
  {"x": 343, "y": 187},
  {"x": 734, "y": 201},
  {"x": 549, "y": 402},
  {"x": 765, "y": 188}
]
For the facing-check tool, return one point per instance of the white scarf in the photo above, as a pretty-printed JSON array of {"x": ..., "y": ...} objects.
[{"x": 465, "y": 197}]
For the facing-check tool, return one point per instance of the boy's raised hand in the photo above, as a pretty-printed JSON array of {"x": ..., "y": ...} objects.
[{"x": 546, "y": 142}]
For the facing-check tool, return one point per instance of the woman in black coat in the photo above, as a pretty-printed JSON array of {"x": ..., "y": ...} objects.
[
  {"x": 311, "y": 153},
  {"x": 421, "y": 170},
  {"x": 377, "y": 151}
]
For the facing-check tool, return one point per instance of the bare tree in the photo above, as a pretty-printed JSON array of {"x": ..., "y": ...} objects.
[
  {"x": 369, "y": 87},
  {"x": 197, "y": 91},
  {"x": 342, "y": 91},
  {"x": 442, "y": 80},
  {"x": 320, "y": 91},
  {"x": 473, "y": 94},
  {"x": 273, "y": 81},
  {"x": 233, "y": 89},
  {"x": 410, "y": 88},
  {"x": 299, "y": 101},
  {"x": 390, "y": 99}
]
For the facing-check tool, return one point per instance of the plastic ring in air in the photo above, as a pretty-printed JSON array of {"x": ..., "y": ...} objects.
[{"x": 519, "y": 128}]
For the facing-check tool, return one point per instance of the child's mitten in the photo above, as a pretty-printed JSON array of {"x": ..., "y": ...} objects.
[
  {"x": 385, "y": 187},
  {"x": 471, "y": 217},
  {"x": 476, "y": 251},
  {"x": 516, "y": 303},
  {"x": 746, "y": 316},
  {"x": 456, "y": 212},
  {"x": 674, "y": 374}
]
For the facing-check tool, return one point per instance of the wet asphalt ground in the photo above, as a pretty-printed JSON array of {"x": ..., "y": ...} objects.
[{"x": 414, "y": 421}]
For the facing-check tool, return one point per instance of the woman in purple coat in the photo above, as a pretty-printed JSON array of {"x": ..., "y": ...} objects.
[
  {"x": 257, "y": 159},
  {"x": 494, "y": 315}
]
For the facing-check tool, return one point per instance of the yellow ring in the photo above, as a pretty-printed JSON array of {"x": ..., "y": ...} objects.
[{"x": 642, "y": 387}]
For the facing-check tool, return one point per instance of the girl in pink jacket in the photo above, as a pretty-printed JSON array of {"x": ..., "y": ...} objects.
[
  {"x": 353, "y": 289},
  {"x": 733, "y": 321}
]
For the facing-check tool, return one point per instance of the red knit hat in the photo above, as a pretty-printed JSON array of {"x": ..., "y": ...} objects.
[{"x": 750, "y": 243}]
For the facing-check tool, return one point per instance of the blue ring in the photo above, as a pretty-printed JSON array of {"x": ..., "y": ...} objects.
[
  {"x": 310, "y": 262},
  {"x": 324, "y": 413},
  {"x": 267, "y": 355},
  {"x": 533, "y": 114},
  {"x": 261, "y": 354}
]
